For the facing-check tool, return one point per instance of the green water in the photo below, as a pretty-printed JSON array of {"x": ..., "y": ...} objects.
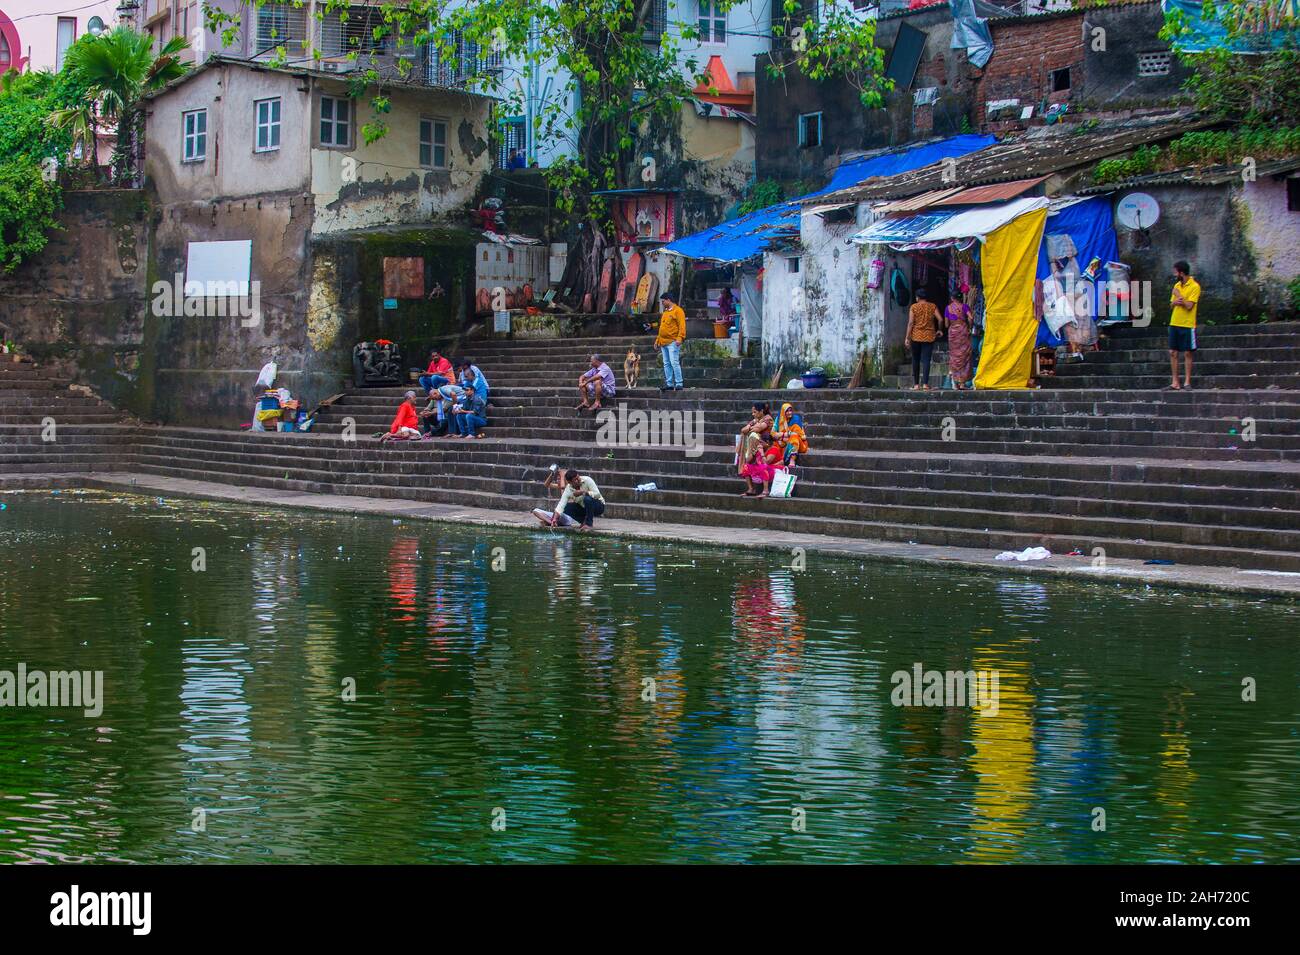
[{"x": 519, "y": 695}]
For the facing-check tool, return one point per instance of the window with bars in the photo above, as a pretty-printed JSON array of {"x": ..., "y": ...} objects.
[
  {"x": 513, "y": 136},
  {"x": 712, "y": 22},
  {"x": 462, "y": 64},
  {"x": 335, "y": 121},
  {"x": 433, "y": 143},
  {"x": 280, "y": 26},
  {"x": 1154, "y": 63},
  {"x": 194, "y": 138},
  {"x": 656, "y": 21},
  {"x": 356, "y": 34}
]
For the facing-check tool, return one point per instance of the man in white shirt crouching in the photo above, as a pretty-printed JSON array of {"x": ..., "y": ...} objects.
[{"x": 580, "y": 504}]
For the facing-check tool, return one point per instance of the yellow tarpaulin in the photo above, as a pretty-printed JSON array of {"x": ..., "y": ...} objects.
[{"x": 1009, "y": 264}]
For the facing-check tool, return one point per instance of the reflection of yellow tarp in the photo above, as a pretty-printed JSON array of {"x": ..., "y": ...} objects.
[{"x": 1009, "y": 265}]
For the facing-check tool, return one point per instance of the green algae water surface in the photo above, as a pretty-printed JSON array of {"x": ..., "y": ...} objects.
[{"x": 280, "y": 686}]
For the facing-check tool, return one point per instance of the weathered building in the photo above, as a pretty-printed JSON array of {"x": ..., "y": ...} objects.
[
  {"x": 1101, "y": 59},
  {"x": 272, "y": 230}
]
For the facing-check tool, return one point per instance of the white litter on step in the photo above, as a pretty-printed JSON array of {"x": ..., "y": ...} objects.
[
  {"x": 649, "y": 486},
  {"x": 1029, "y": 553}
]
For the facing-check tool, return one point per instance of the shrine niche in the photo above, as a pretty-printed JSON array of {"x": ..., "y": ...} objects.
[
  {"x": 643, "y": 216},
  {"x": 404, "y": 277}
]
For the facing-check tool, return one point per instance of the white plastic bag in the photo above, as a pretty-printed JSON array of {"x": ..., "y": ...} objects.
[{"x": 782, "y": 484}]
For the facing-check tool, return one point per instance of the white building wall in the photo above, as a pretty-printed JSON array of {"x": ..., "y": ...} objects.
[{"x": 825, "y": 314}]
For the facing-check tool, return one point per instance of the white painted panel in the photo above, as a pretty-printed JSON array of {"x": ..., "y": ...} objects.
[{"x": 214, "y": 265}]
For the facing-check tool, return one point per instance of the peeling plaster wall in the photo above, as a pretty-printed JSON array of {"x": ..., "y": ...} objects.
[
  {"x": 231, "y": 168},
  {"x": 387, "y": 184},
  {"x": 1274, "y": 235},
  {"x": 205, "y": 366},
  {"x": 78, "y": 307},
  {"x": 824, "y": 314}
]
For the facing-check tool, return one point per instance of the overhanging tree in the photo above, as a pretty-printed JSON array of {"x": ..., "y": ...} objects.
[{"x": 620, "y": 74}]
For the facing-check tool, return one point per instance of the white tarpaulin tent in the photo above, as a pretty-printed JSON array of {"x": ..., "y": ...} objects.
[{"x": 948, "y": 226}]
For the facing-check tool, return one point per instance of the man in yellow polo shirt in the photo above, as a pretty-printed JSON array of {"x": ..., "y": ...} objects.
[
  {"x": 1182, "y": 323},
  {"x": 672, "y": 332}
]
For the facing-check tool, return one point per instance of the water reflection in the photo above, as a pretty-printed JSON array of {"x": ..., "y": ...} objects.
[{"x": 616, "y": 701}]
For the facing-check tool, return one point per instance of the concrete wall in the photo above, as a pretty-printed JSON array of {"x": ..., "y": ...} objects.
[
  {"x": 1274, "y": 235},
  {"x": 849, "y": 127},
  {"x": 1110, "y": 59},
  {"x": 78, "y": 307},
  {"x": 384, "y": 183},
  {"x": 824, "y": 314},
  {"x": 231, "y": 168},
  {"x": 1200, "y": 225}
]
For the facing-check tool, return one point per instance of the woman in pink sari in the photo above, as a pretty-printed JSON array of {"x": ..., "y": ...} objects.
[{"x": 958, "y": 316}]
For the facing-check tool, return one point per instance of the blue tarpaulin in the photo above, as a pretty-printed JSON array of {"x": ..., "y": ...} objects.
[
  {"x": 1090, "y": 226},
  {"x": 970, "y": 33},
  {"x": 1265, "y": 24},
  {"x": 749, "y": 235}
]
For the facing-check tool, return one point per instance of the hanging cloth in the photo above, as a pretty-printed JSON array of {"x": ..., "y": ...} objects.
[{"x": 1008, "y": 269}]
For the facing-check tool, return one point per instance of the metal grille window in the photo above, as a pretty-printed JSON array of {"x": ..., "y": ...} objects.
[
  {"x": 464, "y": 62},
  {"x": 335, "y": 121},
  {"x": 280, "y": 26},
  {"x": 656, "y": 20},
  {"x": 268, "y": 125},
  {"x": 512, "y": 137},
  {"x": 1154, "y": 63},
  {"x": 433, "y": 144},
  {"x": 356, "y": 34},
  {"x": 713, "y": 22},
  {"x": 194, "y": 139}
]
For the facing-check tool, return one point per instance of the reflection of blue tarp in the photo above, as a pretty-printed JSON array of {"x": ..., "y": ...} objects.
[
  {"x": 749, "y": 235},
  {"x": 971, "y": 33},
  {"x": 1090, "y": 225},
  {"x": 1210, "y": 33}
]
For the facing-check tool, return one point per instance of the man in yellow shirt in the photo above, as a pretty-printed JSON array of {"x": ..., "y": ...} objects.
[
  {"x": 1182, "y": 323},
  {"x": 672, "y": 332}
]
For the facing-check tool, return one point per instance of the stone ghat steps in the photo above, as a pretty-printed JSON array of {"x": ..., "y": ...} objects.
[
  {"x": 967, "y": 438},
  {"x": 1205, "y": 352},
  {"x": 828, "y": 486},
  {"x": 1241, "y": 333},
  {"x": 726, "y": 416},
  {"x": 1214, "y": 368},
  {"x": 994, "y": 470},
  {"x": 927, "y": 523},
  {"x": 1154, "y": 382},
  {"x": 1191, "y": 512}
]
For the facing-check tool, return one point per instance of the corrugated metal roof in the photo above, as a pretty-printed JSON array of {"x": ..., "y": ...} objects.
[
  {"x": 999, "y": 192},
  {"x": 916, "y": 203},
  {"x": 1196, "y": 176}
]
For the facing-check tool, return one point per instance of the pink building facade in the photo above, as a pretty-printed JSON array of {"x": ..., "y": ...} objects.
[{"x": 34, "y": 34}]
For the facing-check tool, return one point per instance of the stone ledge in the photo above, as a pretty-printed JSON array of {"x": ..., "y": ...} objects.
[{"x": 1228, "y": 580}]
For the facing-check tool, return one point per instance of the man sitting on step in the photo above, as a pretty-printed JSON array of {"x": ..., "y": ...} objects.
[
  {"x": 439, "y": 373},
  {"x": 596, "y": 382},
  {"x": 471, "y": 376}
]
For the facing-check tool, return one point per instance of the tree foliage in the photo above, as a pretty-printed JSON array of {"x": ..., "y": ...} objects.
[
  {"x": 29, "y": 194},
  {"x": 1251, "y": 77}
]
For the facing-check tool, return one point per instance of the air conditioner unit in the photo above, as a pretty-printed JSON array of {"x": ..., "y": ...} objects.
[{"x": 342, "y": 65}]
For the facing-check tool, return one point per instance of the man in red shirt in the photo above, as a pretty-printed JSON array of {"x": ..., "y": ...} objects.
[
  {"x": 406, "y": 424},
  {"x": 438, "y": 374}
]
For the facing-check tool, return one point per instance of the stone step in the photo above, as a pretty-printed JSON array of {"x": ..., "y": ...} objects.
[
  {"x": 1276, "y": 509},
  {"x": 792, "y": 515},
  {"x": 1229, "y": 477}
]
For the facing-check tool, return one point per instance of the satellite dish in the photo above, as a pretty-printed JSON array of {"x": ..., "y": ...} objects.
[
  {"x": 96, "y": 26},
  {"x": 1137, "y": 210}
]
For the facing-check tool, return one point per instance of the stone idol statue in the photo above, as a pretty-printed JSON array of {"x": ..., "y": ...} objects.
[{"x": 377, "y": 363}]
